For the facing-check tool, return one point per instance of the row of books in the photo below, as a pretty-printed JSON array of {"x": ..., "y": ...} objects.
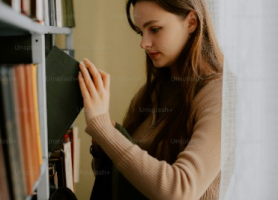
[
  {"x": 61, "y": 13},
  {"x": 58, "y": 13},
  {"x": 20, "y": 148},
  {"x": 20, "y": 143},
  {"x": 64, "y": 162},
  {"x": 32, "y": 9}
]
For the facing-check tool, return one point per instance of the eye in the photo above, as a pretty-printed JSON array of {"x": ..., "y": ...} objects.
[{"x": 155, "y": 30}]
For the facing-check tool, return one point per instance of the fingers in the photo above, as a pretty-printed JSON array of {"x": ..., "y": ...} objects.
[
  {"x": 83, "y": 87},
  {"x": 94, "y": 72},
  {"x": 87, "y": 79},
  {"x": 106, "y": 79}
]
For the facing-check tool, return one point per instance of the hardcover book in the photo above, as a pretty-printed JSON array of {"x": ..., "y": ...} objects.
[{"x": 64, "y": 99}]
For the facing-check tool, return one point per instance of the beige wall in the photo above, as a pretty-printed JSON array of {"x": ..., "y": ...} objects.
[{"x": 102, "y": 34}]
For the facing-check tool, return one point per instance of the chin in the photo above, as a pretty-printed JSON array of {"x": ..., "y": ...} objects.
[{"x": 159, "y": 65}]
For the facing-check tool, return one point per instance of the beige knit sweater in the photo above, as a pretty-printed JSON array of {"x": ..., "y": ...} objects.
[{"x": 195, "y": 175}]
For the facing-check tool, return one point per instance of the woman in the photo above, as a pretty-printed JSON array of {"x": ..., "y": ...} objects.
[{"x": 175, "y": 118}]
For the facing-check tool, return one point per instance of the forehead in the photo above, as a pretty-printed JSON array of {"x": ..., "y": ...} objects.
[{"x": 148, "y": 10}]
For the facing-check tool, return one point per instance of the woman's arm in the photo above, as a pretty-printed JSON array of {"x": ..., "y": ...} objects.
[{"x": 196, "y": 166}]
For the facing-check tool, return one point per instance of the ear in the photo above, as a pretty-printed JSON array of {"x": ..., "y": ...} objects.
[{"x": 192, "y": 21}]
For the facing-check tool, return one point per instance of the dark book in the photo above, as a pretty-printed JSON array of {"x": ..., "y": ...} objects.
[
  {"x": 64, "y": 99},
  {"x": 4, "y": 188},
  {"x": 57, "y": 159},
  {"x": 10, "y": 134},
  {"x": 70, "y": 13},
  {"x": 18, "y": 49}
]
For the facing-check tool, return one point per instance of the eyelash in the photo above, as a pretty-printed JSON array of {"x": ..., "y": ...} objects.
[{"x": 154, "y": 30}]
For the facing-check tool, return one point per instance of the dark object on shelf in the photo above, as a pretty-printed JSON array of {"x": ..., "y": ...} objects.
[{"x": 18, "y": 49}]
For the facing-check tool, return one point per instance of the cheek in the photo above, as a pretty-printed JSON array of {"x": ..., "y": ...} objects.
[{"x": 172, "y": 41}]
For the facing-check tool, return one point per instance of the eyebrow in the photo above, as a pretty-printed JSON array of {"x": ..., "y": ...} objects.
[{"x": 148, "y": 23}]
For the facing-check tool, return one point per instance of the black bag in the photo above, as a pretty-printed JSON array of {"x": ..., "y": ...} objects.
[{"x": 110, "y": 184}]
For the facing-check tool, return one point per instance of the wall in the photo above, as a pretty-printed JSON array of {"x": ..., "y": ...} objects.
[{"x": 102, "y": 34}]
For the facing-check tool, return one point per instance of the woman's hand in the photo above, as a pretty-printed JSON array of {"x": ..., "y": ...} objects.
[{"x": 96, "y": 92}]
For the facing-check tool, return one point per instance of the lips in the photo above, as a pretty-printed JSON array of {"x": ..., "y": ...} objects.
[{"x": 153, "y": 54}]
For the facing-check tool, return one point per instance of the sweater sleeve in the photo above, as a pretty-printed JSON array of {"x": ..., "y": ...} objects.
[{"x": 195, "y": 168}]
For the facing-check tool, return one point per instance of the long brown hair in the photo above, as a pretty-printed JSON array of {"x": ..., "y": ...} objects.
[{"x": 200, "y": 62}]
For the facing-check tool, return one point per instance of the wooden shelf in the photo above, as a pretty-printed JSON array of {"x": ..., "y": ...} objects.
[{"x": 13, "y": 23}]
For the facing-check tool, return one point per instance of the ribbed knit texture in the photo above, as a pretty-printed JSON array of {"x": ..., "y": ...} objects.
[{"x": 195, "y": 175}]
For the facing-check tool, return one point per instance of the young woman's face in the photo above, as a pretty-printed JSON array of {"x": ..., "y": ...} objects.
[{"x": 162, "y": 32}]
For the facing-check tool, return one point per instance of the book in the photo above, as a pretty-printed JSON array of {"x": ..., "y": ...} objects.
[
  {"x": 70, "y": 13},
  {"x": 9, "y": 132},
  {"x": 4, "y": 189},
  {"x": 59, "y": 13},
  {"x": 36, "y": 111},
  {"x": 68, "y": 165},
  {"x": 52, "y": 13},
  {"x": 26, "y": 7},
  {"x": 57, "y": 159},
  {"x": 17, "y": 49},
  {"x": 15, "y": 4},
  {"x": 37, "y": 8},
  {"x": 64, "y": 98},
  {"x": 18, "y": 124},
  {"x": 46, "y": 13},
  {"x": 64, "y": 13},
  {"x": 34, "y": 141},
  {"x": 75, "y": 152}
]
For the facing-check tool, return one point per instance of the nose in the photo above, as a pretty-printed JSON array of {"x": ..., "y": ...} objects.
[{"x": 145, "y": 42}]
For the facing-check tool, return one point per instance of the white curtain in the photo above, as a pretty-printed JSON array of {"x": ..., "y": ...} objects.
[{"x": 247, "y": 31}]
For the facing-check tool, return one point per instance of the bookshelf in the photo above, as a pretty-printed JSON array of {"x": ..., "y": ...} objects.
[{"x": 13, "y": 23}]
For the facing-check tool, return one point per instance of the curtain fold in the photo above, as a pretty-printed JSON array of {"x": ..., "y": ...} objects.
[{"x": 247, "y": 32}]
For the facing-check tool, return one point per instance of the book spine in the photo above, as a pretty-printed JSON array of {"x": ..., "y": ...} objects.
[
  {"x": 36, "y": 111},
  {"x": 46, "y": 13},
  {"x": 26, "y": 7},
  {"x": 52, "y": 12},
  {"x": 4, "y": 189},
  {"x": 25, "y": 128},
  {"x": 59, "y": 13},
  {"x": 33, "y": 142},
  {"x": 64, "y": 13},
  {"x": 18, "y": 125},
  {"x": 13, "y": 151}
]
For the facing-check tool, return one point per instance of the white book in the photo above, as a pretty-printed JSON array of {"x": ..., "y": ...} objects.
[
  {"x": 46, "y": 13},
  {"x": 16, "y": 5},
  {"x": 68, "y": 165},
  {"x": 59, "y": 13},
  {"x": 76, "y": 154}
]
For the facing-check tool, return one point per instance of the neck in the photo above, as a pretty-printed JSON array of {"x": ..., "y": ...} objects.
[{"x": 174, "y": 72}]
